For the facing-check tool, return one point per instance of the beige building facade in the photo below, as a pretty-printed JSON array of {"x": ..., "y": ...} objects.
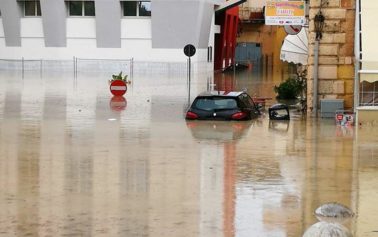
[
  {"x": 336, "y": 69},
  {"x": 348, "y": 57}
]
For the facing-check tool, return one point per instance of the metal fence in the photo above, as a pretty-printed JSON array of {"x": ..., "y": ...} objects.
[
  {"x": 76, "y": 65},
  {"x": 84, "y": 66}
]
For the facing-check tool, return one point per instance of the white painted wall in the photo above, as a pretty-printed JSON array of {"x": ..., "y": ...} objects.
[
  {"x": 31, "y": 27},
  {"x": 81, "y": 42},
  {"x": 81, "y": 27},
  {"x": 134, "y": 28},
  {"x": 2, "y": 45},
  {"x": 1, "y": 28},
  {"x": 2, "y": 39}
]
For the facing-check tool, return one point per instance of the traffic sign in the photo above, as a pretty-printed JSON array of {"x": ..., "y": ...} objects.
[
  {"x": 293, "y": 30},
  {"x": 189, "y": 50},
  {"x": 118, "y": 87}
]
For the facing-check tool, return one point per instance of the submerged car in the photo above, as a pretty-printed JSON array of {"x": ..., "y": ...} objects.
[{"x": 218, "y": 105}]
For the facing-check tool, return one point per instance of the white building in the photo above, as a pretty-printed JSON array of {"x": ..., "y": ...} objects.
[{"x": 145, "y": 30}]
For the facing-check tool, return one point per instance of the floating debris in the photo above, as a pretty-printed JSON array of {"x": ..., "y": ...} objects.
[{"x": 326, "y": 229}]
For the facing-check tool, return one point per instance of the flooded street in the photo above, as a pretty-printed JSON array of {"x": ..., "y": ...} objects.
[{"x": 76, "y": 162}]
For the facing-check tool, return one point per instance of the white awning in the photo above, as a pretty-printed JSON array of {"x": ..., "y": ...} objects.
[
  {"x": 295, "y": 48},
  {"x": 369, "y": 71}
]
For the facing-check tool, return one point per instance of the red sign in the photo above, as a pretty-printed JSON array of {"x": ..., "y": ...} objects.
[
  {"x": 118, "y": 87},
  {"x": 339, "y": 117},
  {"x": 118, "y": 103}
]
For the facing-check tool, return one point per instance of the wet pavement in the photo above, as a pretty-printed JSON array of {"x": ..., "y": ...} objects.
[{"x": 76, "y": 162}]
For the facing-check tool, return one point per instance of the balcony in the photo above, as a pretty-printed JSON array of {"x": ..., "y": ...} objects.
[{"x": 251, "y": 15}]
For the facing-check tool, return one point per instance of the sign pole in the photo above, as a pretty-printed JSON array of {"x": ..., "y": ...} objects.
[
  {"x": 189, "y": 73},
  {"x": 189, "y": 51}
]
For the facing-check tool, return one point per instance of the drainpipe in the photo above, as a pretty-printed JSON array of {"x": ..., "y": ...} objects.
[
  {"x": 319, "y": 23},
  {"x": 357, "y": 52}
]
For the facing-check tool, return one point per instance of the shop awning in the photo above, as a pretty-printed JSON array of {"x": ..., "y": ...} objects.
[
  {"x": 295, "y": 48},
  {"x": 370, "y": 74}
]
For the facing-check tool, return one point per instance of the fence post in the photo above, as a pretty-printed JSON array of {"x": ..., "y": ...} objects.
[
  {"x": 132, "y": 68},
  {"x": 76, "y": 67},
  {"x": 73, "y": 64},
  {"x": 22, "y": 67},
  {"x": 40, "y": 69}
]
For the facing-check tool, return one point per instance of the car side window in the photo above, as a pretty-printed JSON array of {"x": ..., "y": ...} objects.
[
  {"x": 244, "y": 99},
  {"x": 251, "y": 101}
]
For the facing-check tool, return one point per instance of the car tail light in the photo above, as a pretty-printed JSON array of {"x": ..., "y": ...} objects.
[
  {"x": 191, "y": 115},
  {"x": 239, "y": 115}
]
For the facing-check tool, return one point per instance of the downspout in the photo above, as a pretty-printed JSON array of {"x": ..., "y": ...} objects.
[
  {"x": 318, "y": 22},
  {"x": 357, "y": 55}
]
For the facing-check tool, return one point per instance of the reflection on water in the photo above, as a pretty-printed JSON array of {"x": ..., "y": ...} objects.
[
  {"x": 279, "y": 126},
  {"x": 258, "y": 80},
  {"x": 71, "y": 165},
  {"x": 220, "y": 131}
]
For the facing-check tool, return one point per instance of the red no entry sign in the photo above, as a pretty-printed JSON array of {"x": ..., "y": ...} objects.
[{"x": 118, "y": 87}]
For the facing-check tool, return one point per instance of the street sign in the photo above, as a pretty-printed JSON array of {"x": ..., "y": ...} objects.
[
  {"x": 281, "y": 12},
  {"x": 344, "y": 117},
  {"x": 118, "y": 87},
  {"x": 292, "y": 30},
  {"x": 189, "y": 50}
]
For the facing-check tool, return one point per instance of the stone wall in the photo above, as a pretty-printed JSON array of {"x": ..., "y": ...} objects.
[{"x": 336, "y": 52}]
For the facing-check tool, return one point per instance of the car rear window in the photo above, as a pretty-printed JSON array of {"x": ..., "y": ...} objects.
[{"x": 212, "y": 103}]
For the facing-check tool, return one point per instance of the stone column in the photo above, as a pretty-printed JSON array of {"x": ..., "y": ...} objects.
[{"x": 336, "y": 52}]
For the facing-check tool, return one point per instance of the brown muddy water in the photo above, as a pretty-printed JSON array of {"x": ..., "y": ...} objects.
[{"x": 74, "y": 162}]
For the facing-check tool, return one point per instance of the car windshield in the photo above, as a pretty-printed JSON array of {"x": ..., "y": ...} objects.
[{"x": 213, "y": 103}]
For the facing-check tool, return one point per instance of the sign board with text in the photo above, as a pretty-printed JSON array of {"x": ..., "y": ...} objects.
[{"x": 285, "y": 13}]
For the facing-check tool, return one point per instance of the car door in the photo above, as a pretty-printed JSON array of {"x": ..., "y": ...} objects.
[{"x": 248, "y": 105}]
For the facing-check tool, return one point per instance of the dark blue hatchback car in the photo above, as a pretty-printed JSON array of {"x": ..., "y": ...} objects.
[{"x": 218, "y": 105}]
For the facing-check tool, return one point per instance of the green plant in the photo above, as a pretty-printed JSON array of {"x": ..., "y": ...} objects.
[
  {"x": 289, "y": 89},
  {"x": 119, "y": 77}
]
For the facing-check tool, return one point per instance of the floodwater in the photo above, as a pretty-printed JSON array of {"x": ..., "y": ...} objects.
[{"x": 76, "y": 162}]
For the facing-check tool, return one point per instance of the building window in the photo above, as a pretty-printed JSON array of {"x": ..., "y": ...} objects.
[
  {"x": 144, "y": 8},
  {"x": 130, "y": 8},
  {"x": 137, "y": 8},
  {"x": 81, "y": 8},
  {"x": 369, "y": 93},
  {"x": 210, "y": 54},
  {"x": 32, "y": 8}
]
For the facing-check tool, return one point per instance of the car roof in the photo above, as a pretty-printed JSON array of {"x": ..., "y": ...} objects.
[{"x": 221, "y": 93}]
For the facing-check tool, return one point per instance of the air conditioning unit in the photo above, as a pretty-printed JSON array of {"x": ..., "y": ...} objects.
[{"x": 328, "y": 107}]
